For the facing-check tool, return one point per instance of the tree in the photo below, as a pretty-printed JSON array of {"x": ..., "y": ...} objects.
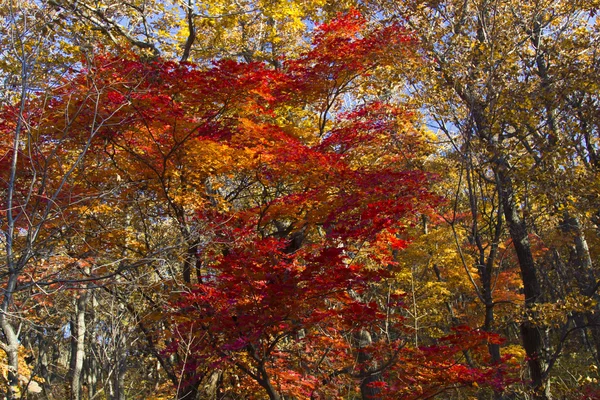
[
  {"x": 290, "y": 229},
  {"x": 37, "y": 169}
]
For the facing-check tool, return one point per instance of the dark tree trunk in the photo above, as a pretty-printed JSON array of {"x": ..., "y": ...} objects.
[{"x": 532, "y": 340}]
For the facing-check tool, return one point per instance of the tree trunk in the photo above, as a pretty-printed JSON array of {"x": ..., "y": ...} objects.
[
  {"x": 586, "y": 279},
  {"x": 44, "y": 362},
  {"x": 78, "y": 346},
  {"x": 266, "y": 383},
  {"x": 90, "y": 364},
  {"x": 367, "y": 391},
  {"x": 211, "y": 386},
  {"x": 91, "y": 376},
  {"x": 11, "y": 346},
  {"x": 532, "y": 340},
  {"x": 120, "y": 380}
]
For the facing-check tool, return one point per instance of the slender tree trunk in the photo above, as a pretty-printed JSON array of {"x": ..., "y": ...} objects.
[
  {"x": 586, "y": 279},
  {"x": 485, "y": 263},
  {"x": 43, "y": 360},
  {"x": 486, "y": 278},
  {"x": 91, "y": 376},
  {"x": 11, "y": 346},
  {"x": 120, "y": 379},
  {"x": 119, "y": 363},
  {"x": 90, "y": 364},
  {"x": 78, "y": 345}
]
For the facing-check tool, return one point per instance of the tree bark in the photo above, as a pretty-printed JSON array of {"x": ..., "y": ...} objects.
[
  {"x": 367, "y": 391},
  {"x": 532, "y": 340},
  {"x": 78, "y": 349},
  {"x": 210, "y": 387},
  {"x": 586, "y": 279},
  {"x": 11, "y": 347}
]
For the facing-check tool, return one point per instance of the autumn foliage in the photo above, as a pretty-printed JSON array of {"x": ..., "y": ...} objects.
[
  {"x": 289, "y": 217},
  {"x": 279, "y": 223}
]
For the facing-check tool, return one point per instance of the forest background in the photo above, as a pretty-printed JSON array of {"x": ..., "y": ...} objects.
[{"x": 292, "y": 199}]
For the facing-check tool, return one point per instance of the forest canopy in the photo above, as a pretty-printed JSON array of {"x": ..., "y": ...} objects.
[{"x": 288, "y": 199}]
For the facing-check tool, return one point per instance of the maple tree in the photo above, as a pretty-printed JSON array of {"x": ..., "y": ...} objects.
[{"x": 290, "y": 268}]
